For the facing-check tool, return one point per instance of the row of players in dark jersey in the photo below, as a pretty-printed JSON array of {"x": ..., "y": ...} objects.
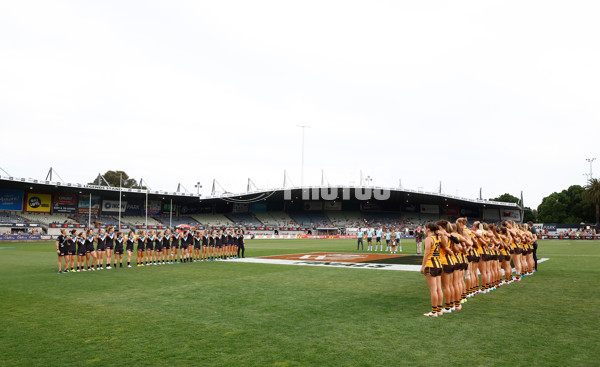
[{"x": 76, "y": 251}]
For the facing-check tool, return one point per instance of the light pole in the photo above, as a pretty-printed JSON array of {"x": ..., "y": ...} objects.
[
  {"x": 591, "y": 160},
  {"x": 302, "y": 168},
  {"x": 368, "y": 180},
  {"x": 198, "y": 186}
]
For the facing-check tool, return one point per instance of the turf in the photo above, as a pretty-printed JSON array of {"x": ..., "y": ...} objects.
[{"x": 239, "y": 314}]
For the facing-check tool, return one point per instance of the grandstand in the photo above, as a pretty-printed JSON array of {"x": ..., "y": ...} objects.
[
  {"x": 343, "y": 219},
  {"x": 213, "y": 220},
  {"x": 311, "y": 219},
  {"x": 244, "y": 219},
  {"x": 140, "y": 220},
  {"x": 46, "y": 218},
  {"x": 275, "y": 209},
  {"x": 10, "y": 218},
  {"x": 176, "y": 220},
  {"x": 275, "y": 219}
]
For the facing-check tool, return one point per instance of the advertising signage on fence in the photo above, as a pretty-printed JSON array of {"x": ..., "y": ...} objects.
[
  {"x": 450, "y": 210},
  {"x": 38, "y": 203},
  {"x": 84, "y": 203},
  {"x": 64, "y": 203},
  {"x": 20, "y": 237},
  {"x": 110, "y": 206},
  {"x": 154, "y": 207},
  {"x": 510, "y": 214},
  {"x": 11, "y": 200}
]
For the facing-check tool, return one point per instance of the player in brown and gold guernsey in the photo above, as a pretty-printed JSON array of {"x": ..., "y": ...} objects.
[
  {"x": 448, "y": 265},
  {"x": 432, "y": 269}
]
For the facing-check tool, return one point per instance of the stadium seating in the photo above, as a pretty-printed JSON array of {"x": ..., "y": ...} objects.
[
  {"x": 311, "y": 219},
  {"x": 213, "y": 220},
  {"x": 45, "y": 218},
  {"x": 244, "y": 219},
  {"x": 345, "y": 219},
  {"x": 177, "y": 220},
  {"x": 6, "y": 217},
  {"x": 275, "y": 219},
  {"x": 140, "y": 220}
]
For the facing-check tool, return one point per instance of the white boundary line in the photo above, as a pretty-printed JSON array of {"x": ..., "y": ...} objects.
[{"x": 334, "y": 264}]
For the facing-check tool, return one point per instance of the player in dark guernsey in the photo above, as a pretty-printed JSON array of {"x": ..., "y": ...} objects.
[
  {"x": 166, "y": 246},
  {"x": 110, "y": 244},
  {"x": 175, "y": 238},
  {"x": 81, "y": 250},
  {"x": 62, "y": 251},
  {"x": 234, "y": 247},
  {"x": 149, "y": 247},
  {"x": 219, "y": 245},
  {"x": 72, "y": 252},
  {"x": 157, "y": 242},
  {"x": 129, "y": 247},
  {"x": 90, "y": 252},
  {"x": 158, "y": 249},
  {"x": 184, "y": 245},
  {"x": 100, "y": 248},
  {"x": 229, "y": 253},
  {"x": 205, "y": 246},
  {"x": 190, "y": 248},
  {"x": 211, "y": 246},
  {"x": 197, "y": 245},
  {"x": 141, "y": 248},
  {"x": 241, "y": 243},
  {"x": 119, "y": 249}
]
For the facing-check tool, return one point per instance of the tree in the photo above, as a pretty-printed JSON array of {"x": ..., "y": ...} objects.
[
  {"x": 592, "y": 194},
  {"x": 507, "y": 198},
  {"x": 566, "y": 206},
  {"x": 113, "y": 177},
  {"x": 529, "y": 215}
]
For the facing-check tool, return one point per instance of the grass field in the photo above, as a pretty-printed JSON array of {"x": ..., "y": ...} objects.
[{"x": 236, "y": 314}]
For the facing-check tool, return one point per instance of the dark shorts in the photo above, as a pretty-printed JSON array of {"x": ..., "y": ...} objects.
[
  {"x": 378, "y": 239},
  {"x": 434, "y": 272},
  {"x": 129, "y": 249},
  {"x": 175, "y": 245},
  {"x": 518, "y": 250},
  {"x": 109, "y": 247},
  {"x": 62, "y": 253},
  {"x": 204, "y": 245},
  {"x": 369, "y": 239},
  {"x": 149, "y": 249},
  {"x": 387, "y": 242},
  {"x": 159, "y": 249},
  {"x": 168, "y": 247},
  {"x": 119, "y": 251},
  {"x": 184, "y": 247},
  {"x": 101, "y": 249},
  {"x": 448, "y": 269}
]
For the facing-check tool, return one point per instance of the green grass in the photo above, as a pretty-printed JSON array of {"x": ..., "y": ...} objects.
[{"x": 236, "y": 314}]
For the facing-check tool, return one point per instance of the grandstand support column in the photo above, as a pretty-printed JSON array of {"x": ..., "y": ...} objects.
[
  {"x": 171, "y": 214},
  {"x": 90, "y": 213},
  {"x": 146, "y": 209},
  {"x": 120, "y": 189}
]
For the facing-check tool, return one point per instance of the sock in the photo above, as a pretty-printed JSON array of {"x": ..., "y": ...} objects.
[{"x": 433, "y": 309}]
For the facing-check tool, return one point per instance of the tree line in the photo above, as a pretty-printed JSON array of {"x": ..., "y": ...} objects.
[{"x": 575, "y": 204}]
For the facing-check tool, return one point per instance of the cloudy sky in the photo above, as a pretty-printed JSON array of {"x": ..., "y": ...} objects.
[{"x": 495, "y": 94}]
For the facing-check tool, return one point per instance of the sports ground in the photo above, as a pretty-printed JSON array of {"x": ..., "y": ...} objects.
[{"x": 263, "y": 314}]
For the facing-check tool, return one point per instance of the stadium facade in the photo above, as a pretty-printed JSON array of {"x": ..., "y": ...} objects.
[{"x": 50, "y": 205}]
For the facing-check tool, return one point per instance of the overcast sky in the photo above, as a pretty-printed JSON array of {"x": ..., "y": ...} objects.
[{"x": 494, "y": 94}]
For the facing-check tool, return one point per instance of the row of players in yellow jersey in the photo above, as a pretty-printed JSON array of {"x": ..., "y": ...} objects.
[{"x": 455, "y": 256}]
